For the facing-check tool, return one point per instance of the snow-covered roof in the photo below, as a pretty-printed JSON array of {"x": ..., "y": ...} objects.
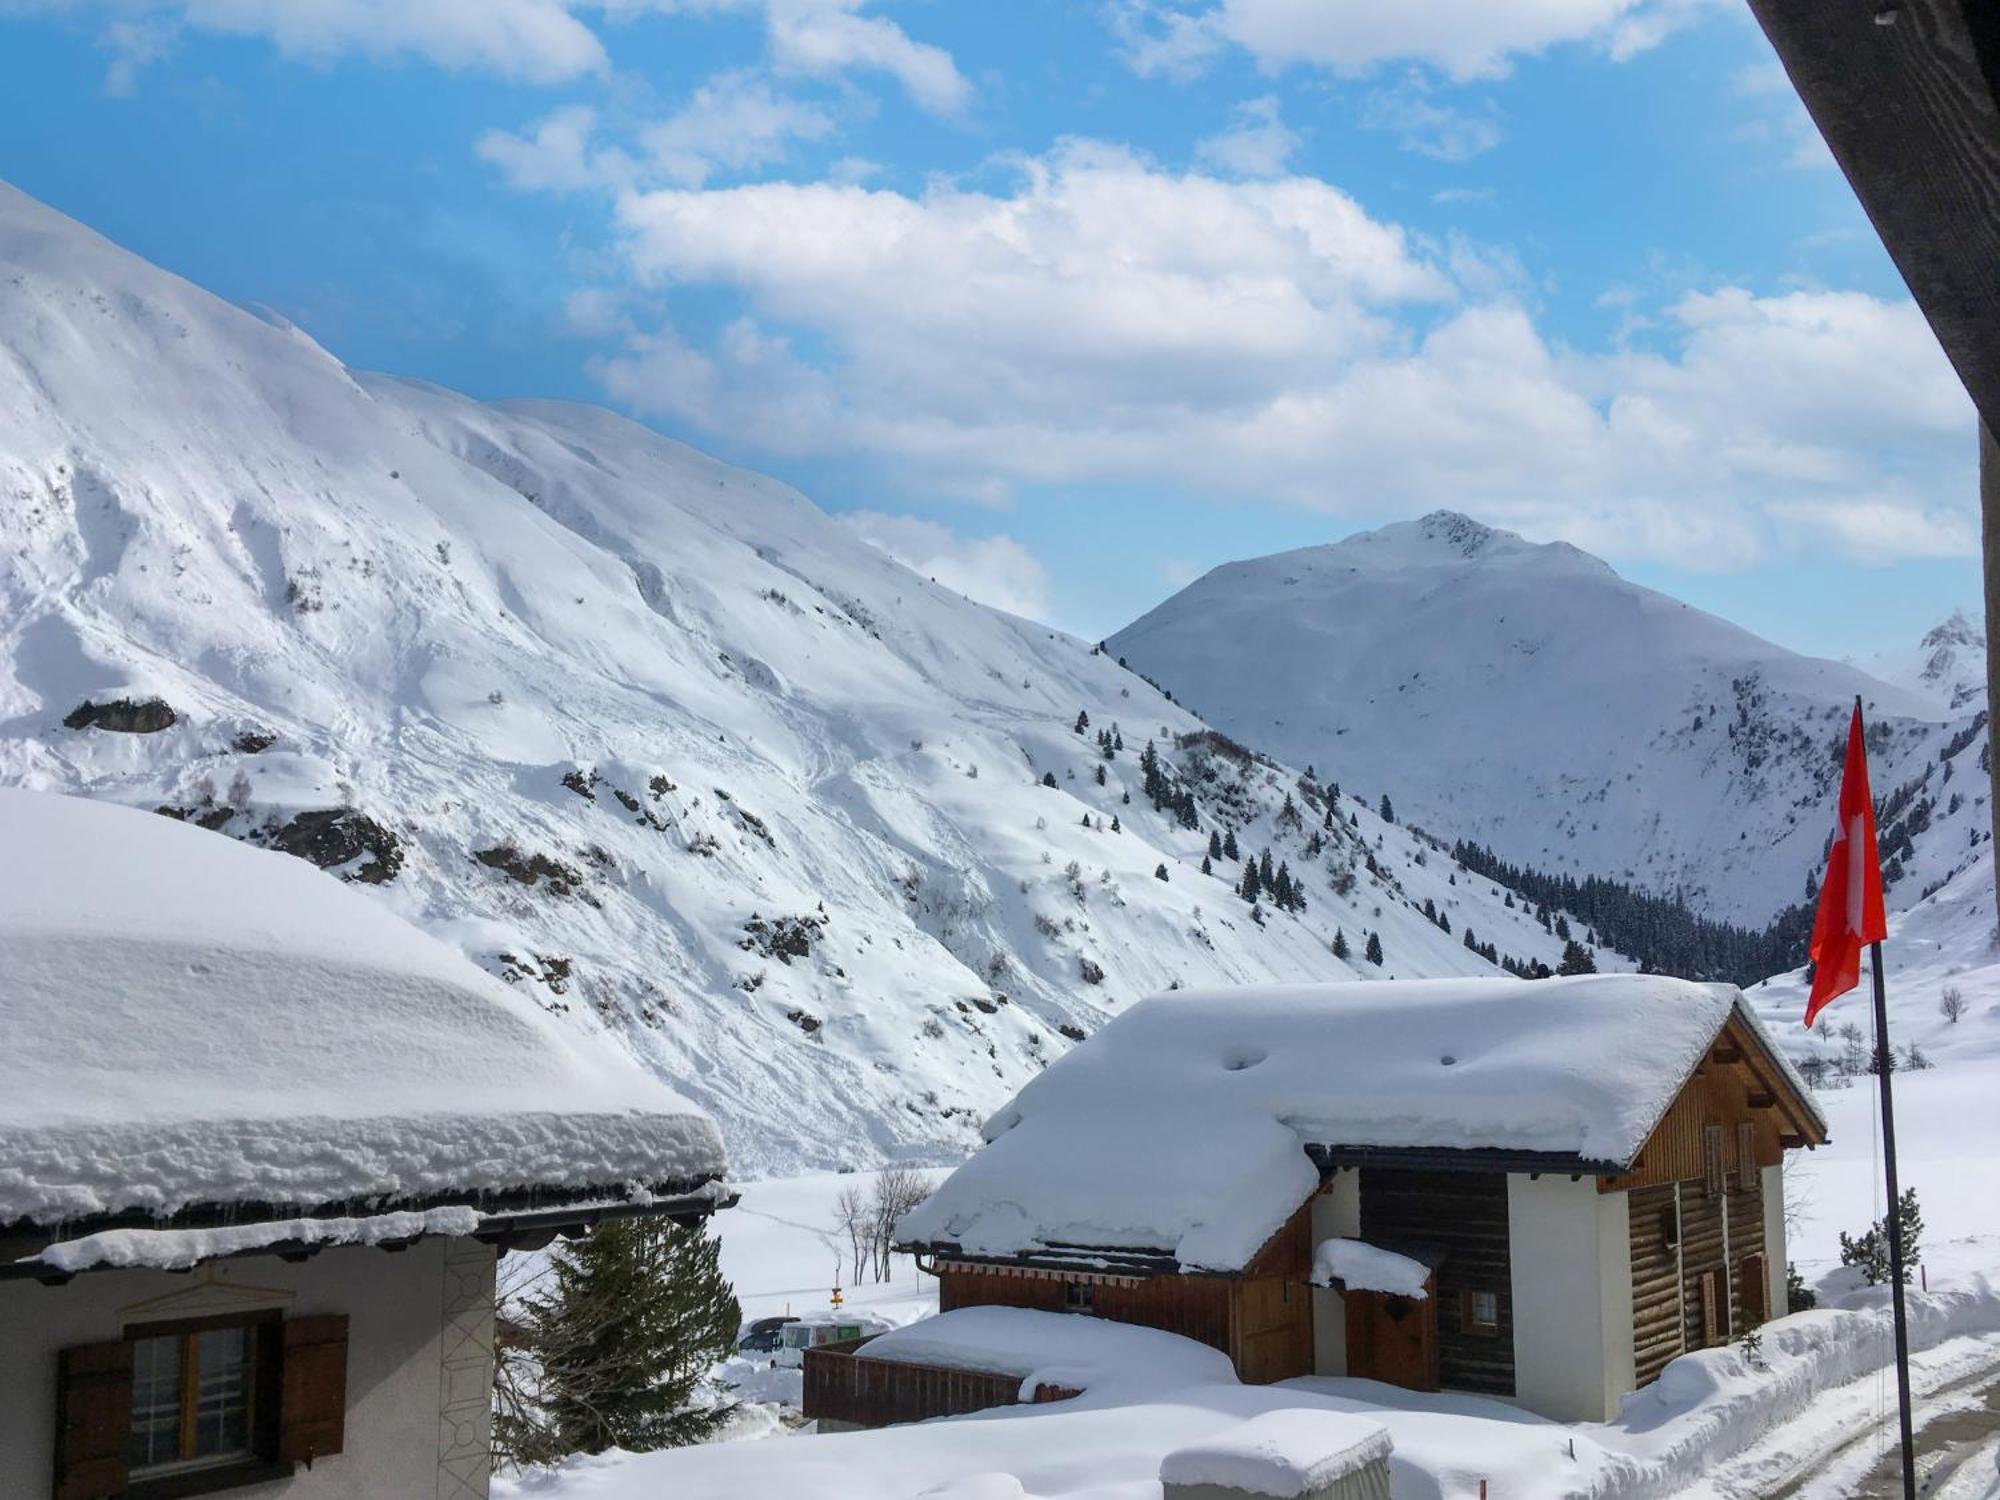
[
  {"x": 192, "y": 1021},
  {"x": 1182, "y": 1125},
  {"x": 1285, "y": 1453}
]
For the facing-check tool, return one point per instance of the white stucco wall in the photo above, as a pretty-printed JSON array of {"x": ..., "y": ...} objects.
[
  {"x": 418, "y": 1364},
  {"x": 1571, "y": 1251},
  {"x": 1773, "y": 1183},
  {"x": 1336, "y": 1214}
]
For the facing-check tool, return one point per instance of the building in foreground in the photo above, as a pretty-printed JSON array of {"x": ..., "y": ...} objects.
[
  {"x": 261, "y": 1143},
  {"x": 1541, "y": 1191}
]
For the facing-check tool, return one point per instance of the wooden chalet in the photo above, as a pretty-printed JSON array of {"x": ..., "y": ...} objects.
[{"x": 1558, "y": 1279}]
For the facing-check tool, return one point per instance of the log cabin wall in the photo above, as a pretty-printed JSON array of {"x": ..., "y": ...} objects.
[
  {"x": 1463, "y": 1215},
  {"x": 1262, "y": 1319},
  {"x": 1195, "y": 1307},
  {"x": 1656, "y": 1280}
]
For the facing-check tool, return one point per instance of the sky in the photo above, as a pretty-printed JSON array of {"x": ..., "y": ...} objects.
[{"x": 1066, "y": 301}]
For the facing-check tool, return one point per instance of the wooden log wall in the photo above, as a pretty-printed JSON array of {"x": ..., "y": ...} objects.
[
  {"x": 1656, "y": 1281},
  {"x": 1463, "y": 1215},
  {"x": 1195, "y": 1307}
]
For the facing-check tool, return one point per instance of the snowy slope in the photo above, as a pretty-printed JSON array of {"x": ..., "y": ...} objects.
[
  {"x": 650, "y": 736},
  {"x": 1528, "y": 697},
  {"x": 1947, "y": 667}
]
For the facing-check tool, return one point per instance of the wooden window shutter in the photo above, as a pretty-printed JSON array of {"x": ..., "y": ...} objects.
[
  {"x": 1711, "y": 1145},
  {"x": 1746, "y": 1156},
  {"x": 93, "y": 1420},
  {"x": 312, "y": 1418},
  {"x": 1754, "y": 1290}
]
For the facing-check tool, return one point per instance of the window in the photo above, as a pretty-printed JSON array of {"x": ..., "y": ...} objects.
[
  {"x": 1480, "y": 1312},
  {"x": 1079, "y": 1297},
  {"x": 195, "y": 1396}
]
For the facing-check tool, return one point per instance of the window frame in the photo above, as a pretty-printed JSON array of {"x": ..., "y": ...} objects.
[
  {"x": 1080, "y": 1297},
  {"x": 265, "y": 1350},
  {"x": 1468, "y": 1313}
]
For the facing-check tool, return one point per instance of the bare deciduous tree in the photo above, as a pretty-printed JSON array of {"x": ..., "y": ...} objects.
[
  {"x": 855, "y": 1220},
  {"x": 1951, "y": 1005},
  {"x": 898, "y": 1189}
]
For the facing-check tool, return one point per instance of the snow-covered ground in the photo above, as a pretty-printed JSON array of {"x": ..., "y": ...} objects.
[{"x": 1717, "y": 1426}]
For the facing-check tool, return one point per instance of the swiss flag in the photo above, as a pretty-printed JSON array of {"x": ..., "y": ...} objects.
[{"x": 1850, "y": 898}]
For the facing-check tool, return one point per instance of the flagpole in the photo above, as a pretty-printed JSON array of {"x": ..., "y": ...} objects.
[{"x": 1885, "y": 1065}]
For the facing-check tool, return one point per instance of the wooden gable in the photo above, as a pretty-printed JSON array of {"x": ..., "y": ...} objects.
[{"x": 1738, "y": 1090}]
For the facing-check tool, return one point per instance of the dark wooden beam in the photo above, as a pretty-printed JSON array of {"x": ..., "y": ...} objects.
[
  {"x": 1761, "y": 1099},
  {"x": 1989, "y": 552},
  {"x": 1904, "y": 91}
]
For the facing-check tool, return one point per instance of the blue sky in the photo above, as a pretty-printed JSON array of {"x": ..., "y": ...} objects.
[{"x": 1068, "y": 300}]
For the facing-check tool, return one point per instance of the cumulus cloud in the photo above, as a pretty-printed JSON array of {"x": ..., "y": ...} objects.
[
  {"x": 822, "y": 37},
  {"x": 1258, "y": 144},
  {"x": 1108, "y": 321},
  {"x": 995, "y": 570},
  {"x": 1463, "y": 39}
]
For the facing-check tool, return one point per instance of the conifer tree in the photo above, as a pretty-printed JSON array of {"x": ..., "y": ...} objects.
[
  {"x": 1160, "y": 871},
  {"x": 1340, "y": 948},
  {"x": 1471, "y": 941},
  {"x": 1082, "y": 721},
  {"x": 637, "y": 1314},
  {"x": 1251, "y": 887},
  {"x": 1265, "y": 873},
  {"x": 1115, "y": 828},
  {"x": 1387, "y": 812},
  {"x": 1207, "y": 868},
  {"x": 1576, "y": 959},
  {"x": 1048, "y": 779},
  {"x": 1214, "y": 844},
  {"x": 1100, "y": 775},
  {"x": 1229, "y": 849},
  {"x": 1373, "y": 952}
]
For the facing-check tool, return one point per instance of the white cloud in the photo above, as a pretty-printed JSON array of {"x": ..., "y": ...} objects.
[
  {"x": 733, "y": 121},
  {"x": 556, "y": 156},
  {"x": 1106, "y": 321},
  {"x": 995, "y": 570},
  {"x": 536, "y": 41},
  {"x": 1257, "y": 145},
  {"x": 1423, "y": 125},
  {"x": 1880, "y": 531},
  {"x": 822, "y": 37},
  {"x": 1461, "y": 38}
]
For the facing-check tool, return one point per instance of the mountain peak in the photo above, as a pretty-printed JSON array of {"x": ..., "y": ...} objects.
[{"x": 1449, "y": 537}]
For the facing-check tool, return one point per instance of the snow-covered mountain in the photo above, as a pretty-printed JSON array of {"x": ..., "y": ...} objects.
[
  {"x": 1947, "y": 667},
  {"x": 648, "y": 735},
  {"x": 1529, "y": 698}
]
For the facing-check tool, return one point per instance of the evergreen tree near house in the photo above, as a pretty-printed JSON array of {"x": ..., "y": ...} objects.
[
  {"x": 1871, "y": 1251},
  {"x": 1373, "y": 952},
  {"x": 634, "y": 1317}
]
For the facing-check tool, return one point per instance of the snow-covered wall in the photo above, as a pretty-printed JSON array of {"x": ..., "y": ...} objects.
[
  {"x": 419, "y": 1350},
  {"x": 1572, "y": 1292}
]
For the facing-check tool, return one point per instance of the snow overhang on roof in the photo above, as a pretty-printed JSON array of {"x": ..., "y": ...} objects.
[
  {"x": 199, "y": 1031},
  {"x": 1195, "y": 1124}
]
